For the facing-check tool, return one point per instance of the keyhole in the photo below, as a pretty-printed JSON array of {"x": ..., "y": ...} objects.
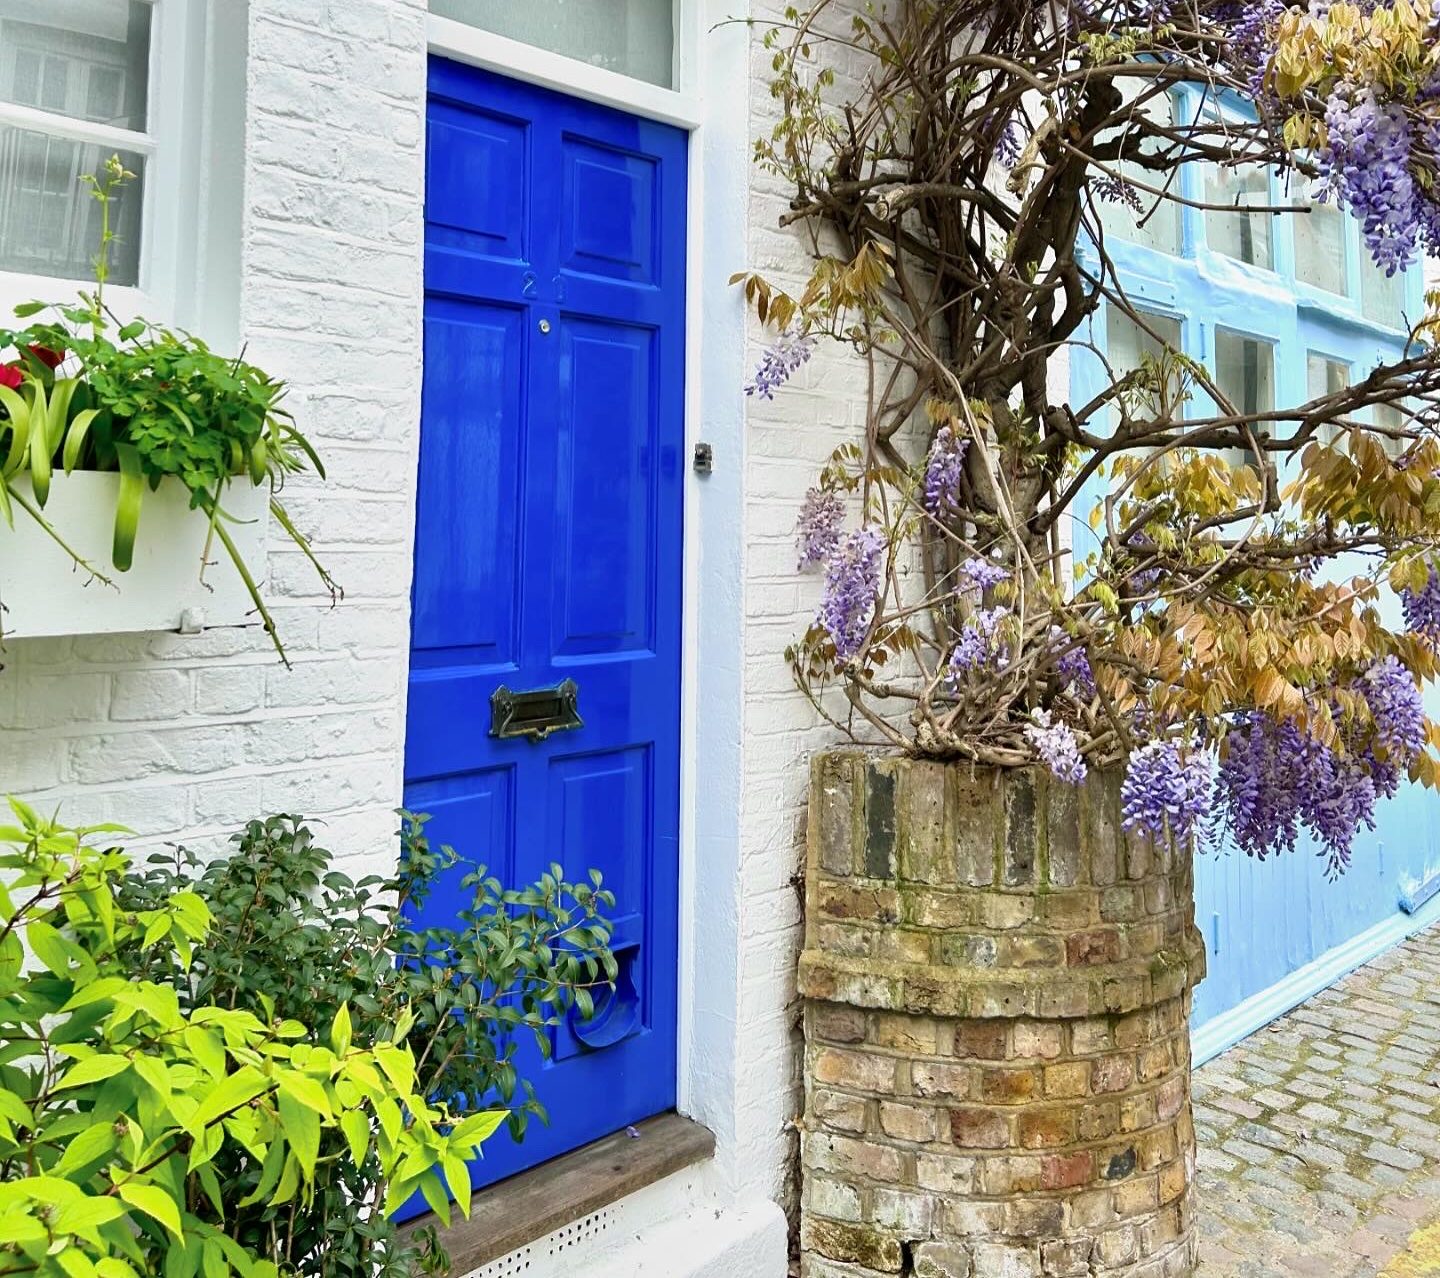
[{"x": 544, "y": 326}]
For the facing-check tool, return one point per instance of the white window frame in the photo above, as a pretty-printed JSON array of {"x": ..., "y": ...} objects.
[
  {"x": 679, "y": 105},
  {"x": 172, "y": 283}
]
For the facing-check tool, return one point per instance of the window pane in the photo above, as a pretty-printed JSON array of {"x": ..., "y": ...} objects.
[
  {"x": 1243, "y": 236},
  {"x": 1320, "y": 248},
  {"x": 1382, "y": 297},
  {"x": 1325, "y": 377},
  {"x": 49, "y": 224},
  {"x": 87, "y": 59},
  {"x": 1128, "y": 345},
  {"x": 634, "y": 37},
  {"x": 1395, "y": 417},
  {"x": 1155, "y": 227},
  {"x": 1245, "y": 372}
]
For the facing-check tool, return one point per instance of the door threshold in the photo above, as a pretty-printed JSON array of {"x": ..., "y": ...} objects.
[{"x": 506, "y": 1216}]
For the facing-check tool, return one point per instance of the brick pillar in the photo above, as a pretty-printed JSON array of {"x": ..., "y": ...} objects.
[{"x": 997, "y": 1060}]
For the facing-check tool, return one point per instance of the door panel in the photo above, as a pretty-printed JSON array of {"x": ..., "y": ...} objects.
[
  {"x": 467, "y": 586},
  {"x": 607, "y": 454},
  {"x": 548, "y": 547}
]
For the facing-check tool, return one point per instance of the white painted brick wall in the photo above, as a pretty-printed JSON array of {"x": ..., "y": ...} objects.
[
  {"x": 187, "y": 738},
  {"x": 787, "y": 441}
]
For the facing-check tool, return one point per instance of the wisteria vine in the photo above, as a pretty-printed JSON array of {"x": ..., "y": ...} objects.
[{"x": 1213, "y": 647}]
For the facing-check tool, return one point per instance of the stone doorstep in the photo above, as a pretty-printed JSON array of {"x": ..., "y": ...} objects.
[{"x": 506, "y": 1216}]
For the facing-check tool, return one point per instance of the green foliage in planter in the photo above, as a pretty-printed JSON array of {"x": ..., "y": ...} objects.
[
  {"x": 294, "y": 935},
  {"x": 125, "y": 1110},
  {"x": 86, "y": 392}
]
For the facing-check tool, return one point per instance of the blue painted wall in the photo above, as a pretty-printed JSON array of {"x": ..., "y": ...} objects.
[{"x": 1263, "y": 921}]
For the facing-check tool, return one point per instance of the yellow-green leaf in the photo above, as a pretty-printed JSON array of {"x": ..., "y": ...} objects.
[{"x": 154, "y": 1202}]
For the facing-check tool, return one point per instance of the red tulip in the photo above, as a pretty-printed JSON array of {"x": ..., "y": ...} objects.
[
  {"x": 11, "y": 376},
  {"x": 51, "y": 359}
]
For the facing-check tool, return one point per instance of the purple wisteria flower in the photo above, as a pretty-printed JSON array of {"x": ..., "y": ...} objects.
[
  {"x": 852, "y": 585},
  {"x": 979, "y": 642},
  {"x": 943, "y": 469},
  {"x": 1422, "y": 608},
  {"x": 982, "y": 574},
  {"x": 1277, "y": 780},
  {"x": 1396, "y": 707},
  {"x": 1165, "y": 790},
  {"x": 1057, "y": 747},
  {"x": 1366, "y": 162},
  {"x": 1072, "y": 667},
  {"x": 779, "y": 363},
  {"x": 819, "y": 528}
]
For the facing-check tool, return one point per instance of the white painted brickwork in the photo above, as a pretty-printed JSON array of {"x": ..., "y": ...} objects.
[
  {"x": 185, "y": 738},
  {"x": 787, "y": 441}
]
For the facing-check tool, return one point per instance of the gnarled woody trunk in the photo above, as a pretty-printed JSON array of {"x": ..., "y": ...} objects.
[{"x": 997, "y": 1053}]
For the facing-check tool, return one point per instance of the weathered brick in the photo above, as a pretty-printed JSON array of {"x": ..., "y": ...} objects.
[
  {"x": 837, "y": 815},
  {"x": 1071, "y": 1078},
  {"x": 851, "y": 1244},
  {"x": 1066, "y": 1171},
  {"x": 942, "y": 1080},
  {"x": 1008, "y": 1086},
  {"x": 1010, "y": 1175},
  {"x": 1046, "y": 1128},
  {"x": 1031, "y": 1217},
  {"x": 1032, "y": 1040},
  {"x": 945, "y": 1174},
  {"x": 838, "y": 1111},
  {"x": 1031, "y": 950},
  {"x": 859, "y": 1071},
  {"x": 905, "y": 1214},
  {"x": 982, "y": 1040},
  {"x": 908, "y": 1122},
  {"x": 979, "y": 1129},
  {"x": 1005, "y": 1260},
  {"x": 942, "y": 1260},
  {"x": 1112, "y": 1074},
  {"x": 1088, "y": 949},
  {"x": 833, "y": 1198},
  {"x": 914, "y": 1035},
  {"x": 835, "y": 1024}
]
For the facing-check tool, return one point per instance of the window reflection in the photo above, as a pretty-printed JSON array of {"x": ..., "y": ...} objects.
[{"x": 1244, "y": 236}]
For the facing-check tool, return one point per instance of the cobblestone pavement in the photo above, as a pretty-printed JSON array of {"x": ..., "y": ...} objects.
[{"x": 1319, "y": 1137}]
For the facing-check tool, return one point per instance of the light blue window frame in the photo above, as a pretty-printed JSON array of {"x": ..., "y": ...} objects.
[
  {"x": 1207, "y": 291},
  {"x": 1276, "y": 931}
]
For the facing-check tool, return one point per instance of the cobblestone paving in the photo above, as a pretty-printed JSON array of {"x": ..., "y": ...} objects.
[{"x": 1319, "y": 1137}]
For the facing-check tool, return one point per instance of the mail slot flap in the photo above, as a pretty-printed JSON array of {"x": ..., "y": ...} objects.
[{"x": 537, "y": 713}]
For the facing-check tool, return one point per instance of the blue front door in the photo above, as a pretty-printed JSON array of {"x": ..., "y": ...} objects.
[{"x": 548, "y": 547}]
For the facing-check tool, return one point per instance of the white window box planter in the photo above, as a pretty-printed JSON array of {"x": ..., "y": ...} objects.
[{"x": 42, "y": 592}]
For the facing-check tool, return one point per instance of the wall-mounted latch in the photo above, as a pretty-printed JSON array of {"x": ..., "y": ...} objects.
[{"x": 704, "y": 459}]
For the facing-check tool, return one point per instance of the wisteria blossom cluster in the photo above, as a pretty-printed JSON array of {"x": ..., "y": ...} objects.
[
  {"x": 1363, "y": 81},
  {"x": 1197, "y": 596},
  {"x": 780, "y": 362}
]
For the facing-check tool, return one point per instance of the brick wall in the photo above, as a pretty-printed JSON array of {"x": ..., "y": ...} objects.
[
  {"x": 787, "y": 441},
  {"x": 185, "y": 737},
  {"x": 997, "y": 1045}
]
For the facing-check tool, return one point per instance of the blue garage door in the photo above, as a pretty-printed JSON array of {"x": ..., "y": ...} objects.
[{"x": 548, "y": 548}]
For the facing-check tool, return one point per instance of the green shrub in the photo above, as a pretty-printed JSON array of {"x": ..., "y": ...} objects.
[
  {"x": 294, "y": 935},
  {"x": 126, "y": 1110}
]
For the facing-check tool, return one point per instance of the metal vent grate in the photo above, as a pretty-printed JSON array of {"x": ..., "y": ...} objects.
[
  {"x": 516, "y": 1263},
  {"x": 582, "y": 1231},
  {"x": 545, "y": 1258}
]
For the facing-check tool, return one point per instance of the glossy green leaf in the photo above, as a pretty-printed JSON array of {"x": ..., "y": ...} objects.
[{"x": 127, "y": 506}]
